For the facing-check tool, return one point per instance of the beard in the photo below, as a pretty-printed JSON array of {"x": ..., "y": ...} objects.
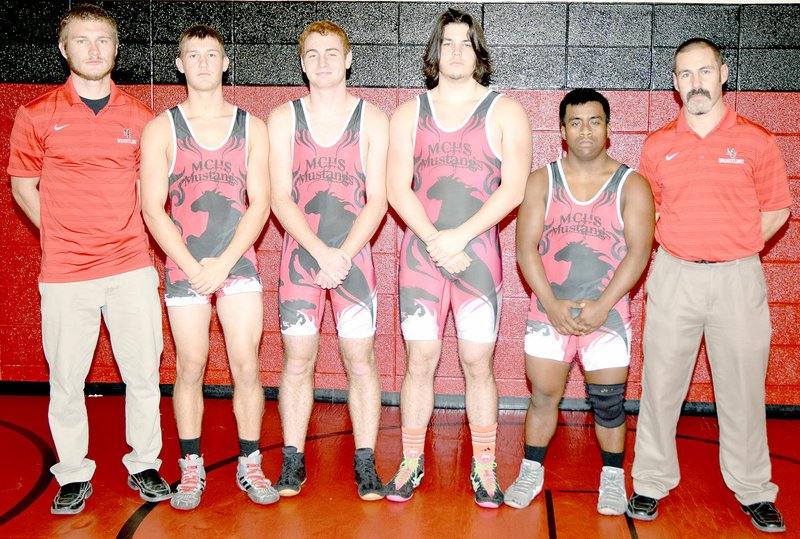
[{"x": 95, "y": 75}]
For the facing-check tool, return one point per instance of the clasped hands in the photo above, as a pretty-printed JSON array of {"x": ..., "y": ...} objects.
[{"x": 446, "y": 249}]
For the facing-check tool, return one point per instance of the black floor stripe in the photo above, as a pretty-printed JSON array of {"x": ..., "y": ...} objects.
[
  {"x": 551, "y": 515},
  {"x": 38, "y": 488}
]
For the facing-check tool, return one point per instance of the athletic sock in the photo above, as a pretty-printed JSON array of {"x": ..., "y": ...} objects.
[
  {"x": 612, "y": 459},
  {"x": 535, "y": 453},
  {"x": 483, "y": 440},
  {"x": 247, "y": 447},
  {"x": 189, "y": 447},
  {"x": 413, "y": 441},
  {"x": 364, "y": 452}
]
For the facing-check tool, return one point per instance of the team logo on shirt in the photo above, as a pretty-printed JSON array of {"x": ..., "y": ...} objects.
[
  {"x": 126, "y": 133},
  {"x": 731, "y": 159}
]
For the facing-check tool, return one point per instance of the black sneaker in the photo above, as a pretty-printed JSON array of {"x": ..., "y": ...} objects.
[
  {"x": 151, "y": 486},
  {"x": 70, "y": 498},
  {"x": 642, "y": 507},
  {"x": 293, "y": 472},
  {"x": 765, "y": 517},
  {"x": 370, "y": 487}
]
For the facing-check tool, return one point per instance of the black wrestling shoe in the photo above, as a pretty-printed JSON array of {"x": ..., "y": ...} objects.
[
  {"x": 642, "y": 507},
  {"x": 370, "y": 487},
  {"x": 765, "y": 517},
  {"x": 71, "y": 498},
  {"x": 151, "y": 486},
  {"x": 293, "y": 472}
]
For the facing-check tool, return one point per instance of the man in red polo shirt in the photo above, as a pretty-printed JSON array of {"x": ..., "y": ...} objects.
[
  {"x": 720, "y": 188},
  {"x": 74, "y": 164}
]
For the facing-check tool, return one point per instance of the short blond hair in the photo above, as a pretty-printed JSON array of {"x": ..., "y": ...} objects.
[
  {"x": 323, "y": 28},
  {"x": 85, "y": 12}
]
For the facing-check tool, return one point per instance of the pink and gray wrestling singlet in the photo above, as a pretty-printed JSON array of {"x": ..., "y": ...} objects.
[
  {"x": 207, "y": 198},
  {"x": 581, "y": 247},
  {"x": 329, "y": 187},
  {"x": 455, "y": 172}
]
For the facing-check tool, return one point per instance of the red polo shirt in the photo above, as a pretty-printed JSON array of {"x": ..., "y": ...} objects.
[
  {"x": 88, "y": 165},
  {"x": 710, "y": 191}
]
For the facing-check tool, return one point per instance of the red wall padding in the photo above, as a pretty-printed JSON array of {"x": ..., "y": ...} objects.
[{"x": 634, "y": 114}]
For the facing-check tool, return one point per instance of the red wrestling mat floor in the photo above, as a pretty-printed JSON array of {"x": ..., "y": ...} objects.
[{"x": 329, "y": 507}]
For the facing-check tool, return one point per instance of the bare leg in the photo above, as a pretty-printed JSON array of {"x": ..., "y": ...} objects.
[
  {"x": 296, "y": 396},
  {"x": 364, "y": 398},
  {"x": 241, "y": 316},
  {"x": 481, "y": 388},
  {"x": 190, "y": 332},
  {"x": 416, "y": 393},
  {"x": 548, "y": 379}
]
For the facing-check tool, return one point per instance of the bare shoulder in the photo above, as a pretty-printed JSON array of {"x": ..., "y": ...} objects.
[
  {"x": 509, "y": 108},
  {"x": 636, "y": 183},
  {"x": 158, "y": 128},
  {"x": 280, "y": 115},
  {"x": 538, "y": 180},
  {"x": 257, "y": 126},
  {"x": 375, "y": 117},
  {"x": 405, "y": 112}
]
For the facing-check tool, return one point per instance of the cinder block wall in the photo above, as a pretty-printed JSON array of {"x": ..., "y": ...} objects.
[{"x": 539, "y": 50}]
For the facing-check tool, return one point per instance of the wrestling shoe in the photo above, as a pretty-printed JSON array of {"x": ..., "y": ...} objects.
[
  {"x": 528, "y": 484},
  {"x": 370, "y": 487},
  {"x": 71, "y": 498},
  {"x": 642, "y": 507},
  {"x": 193, "y": 482},
  {"x": 612, "y": 499},
  {"x": 151, "y": 486},
  {"x": 293, "y": 472},
  {"x": 408, "y": 477},
  {"x": 484, "y": 482},
  {"x": 250, "y": 478}
]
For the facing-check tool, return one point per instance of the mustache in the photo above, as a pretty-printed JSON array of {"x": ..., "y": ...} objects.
[{"x": 698, "y": 91}]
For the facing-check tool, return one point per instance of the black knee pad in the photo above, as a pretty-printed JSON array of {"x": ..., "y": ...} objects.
[{"x": 607, "y": 402}]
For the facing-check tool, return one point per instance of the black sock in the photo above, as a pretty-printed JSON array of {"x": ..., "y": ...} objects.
[
  {"x": 364, "y": 452},
  {"x": 535, "y": 453},
  {"x": 612, "y": 459},
  {"x": 189, "y": 447},
  {"x": 246, "y": 447}
]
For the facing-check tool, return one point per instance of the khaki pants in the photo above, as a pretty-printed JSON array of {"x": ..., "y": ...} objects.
[
  {"x": 727, "y": 303},
  {"x": 71, "y": 313}
]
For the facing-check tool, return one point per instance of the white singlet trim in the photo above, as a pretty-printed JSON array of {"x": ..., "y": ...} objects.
[
  {"x": 222, "y": 142},
  {"x": 341, "y": 132}
]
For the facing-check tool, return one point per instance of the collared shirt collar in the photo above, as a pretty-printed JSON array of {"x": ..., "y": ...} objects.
[
  {"x": 117, "y": 97},
  {"x": 728, "y": 120}
]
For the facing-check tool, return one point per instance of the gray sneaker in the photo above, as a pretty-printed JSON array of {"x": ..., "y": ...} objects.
[
  {"x": 250, "y": 479},
  {"x": 193, "y": 481},
  {"x": 612, "y": 499},
  {"x": 528, "y": 484}
]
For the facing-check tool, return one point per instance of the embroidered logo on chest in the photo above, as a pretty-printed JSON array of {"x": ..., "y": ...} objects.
[
  {"x": 126, "y": 133},
  {"x": 731, "y": 159}
]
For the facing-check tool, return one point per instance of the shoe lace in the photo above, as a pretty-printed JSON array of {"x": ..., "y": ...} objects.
[
  {"x": 255, "y": 475},
  {"x": 528, "y": 478},
  {"x": 289, "y": 469},
  {"x": 190, "y": 479},
  {"x": 406, "y": 471},
  {"x": 366, "y": 471},
  {"x": 612, "y": 488},
  {"x": 486, "y": 476}
]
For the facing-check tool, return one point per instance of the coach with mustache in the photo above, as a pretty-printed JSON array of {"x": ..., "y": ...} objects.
[{"x": 721, "y": 192}]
